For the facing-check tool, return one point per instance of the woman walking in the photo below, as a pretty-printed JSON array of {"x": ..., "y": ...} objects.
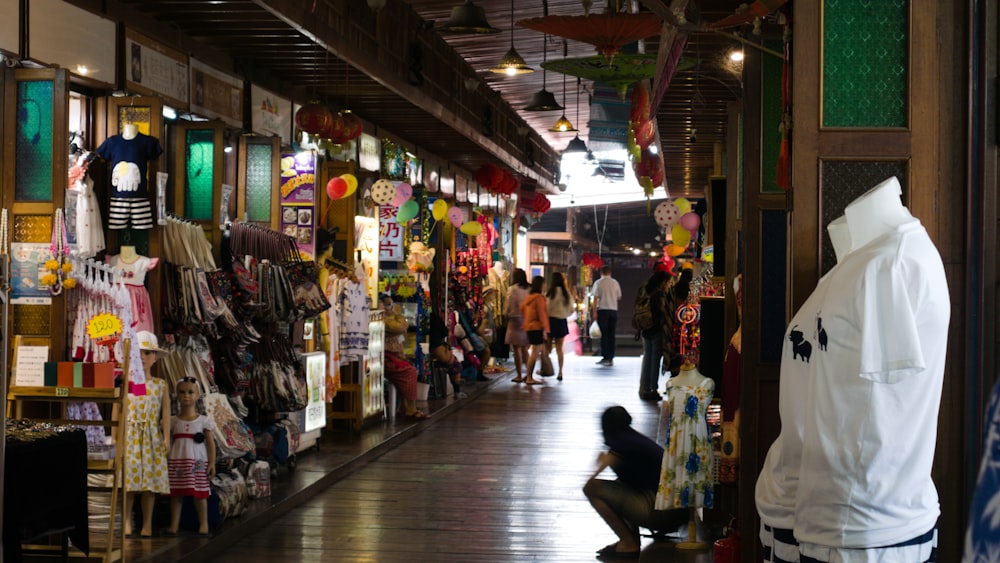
[
  {"x": 516, "y": 338},
  {"x": 560, "y": 304},
  {"x": 536, "y": 325}
]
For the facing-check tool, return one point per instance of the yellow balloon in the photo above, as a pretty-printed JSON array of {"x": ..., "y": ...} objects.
[
  {"x": 674, "y": 250},
  {"x": 683, "y": 205},
  {"x": 439, "y": 210},
  {"x": 352, "y": 183},
  {"x": 472, "y": 228},
  {"x": 680, "y": 235}
]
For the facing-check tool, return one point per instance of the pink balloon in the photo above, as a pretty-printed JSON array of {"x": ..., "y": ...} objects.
[
  {"x": 690, "y": 221},
  {"x": 403, "y": 193},
  {"x": 455, "y": 216}
]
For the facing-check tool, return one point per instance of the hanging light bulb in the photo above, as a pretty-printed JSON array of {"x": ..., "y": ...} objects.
[
  {"x": 543, "y": 100},
  {"x": 563, "y": 125},
  {"x": 576, "y": 144},
  {"x": 512, "y": 63}
]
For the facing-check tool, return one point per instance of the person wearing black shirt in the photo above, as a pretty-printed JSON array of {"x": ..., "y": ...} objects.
[{"x": 627, "y": 502}]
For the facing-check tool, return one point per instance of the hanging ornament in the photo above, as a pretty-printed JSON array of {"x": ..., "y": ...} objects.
[
  {"x": 404, "y": 192},
  {"x": 471, "y": 228},
  {"x": 666, "y": 214},
  {"x": 313, "y": 118},
  {"x": 455, "y": 216},
  {"x": 439, "y": 210},
  {"x": 407, "y": 211}
]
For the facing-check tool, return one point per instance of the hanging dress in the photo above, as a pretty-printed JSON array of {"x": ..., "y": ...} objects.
[
  {"x": 686, "y": 474},
  {"x": 134, "y": 279},
  {"x": 146, "y": 456}
]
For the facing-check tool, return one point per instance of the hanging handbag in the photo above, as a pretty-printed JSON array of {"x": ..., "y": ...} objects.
[{"x": 303, "y": 278}]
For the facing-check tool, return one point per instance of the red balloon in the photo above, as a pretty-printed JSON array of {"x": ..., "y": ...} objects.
[{"x": 336, "y": 188}]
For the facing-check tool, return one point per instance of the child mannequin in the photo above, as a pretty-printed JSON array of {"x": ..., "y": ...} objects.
[
  {"x": 148, "y": 439},
  {"x": 192, "y": 456}
]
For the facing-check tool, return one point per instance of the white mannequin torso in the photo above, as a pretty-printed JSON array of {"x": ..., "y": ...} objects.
[
  {"x": 689, "y": 376},
  {"x": 129, "y": 131},
  {"x": 875, "y": 213}
]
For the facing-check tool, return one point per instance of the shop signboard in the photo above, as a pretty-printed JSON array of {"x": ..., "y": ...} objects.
[
  {"x": 316, "y": 391},
  {"x": 390, "y": 247},
  {"x": 369, "y": 152},
  {"x": 155, "y": 69},
  {"x": 298, "y": 199},
  {"x": 270, "y": 114},
  {"x": 216, "y": 94},
  {"x": 366, "y": 237}
]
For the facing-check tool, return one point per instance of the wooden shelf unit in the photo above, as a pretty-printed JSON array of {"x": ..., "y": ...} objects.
[{"x": 113, "y": 548}]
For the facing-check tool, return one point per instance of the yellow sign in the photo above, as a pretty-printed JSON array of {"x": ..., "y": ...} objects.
[{"x": 104, "y": 326}]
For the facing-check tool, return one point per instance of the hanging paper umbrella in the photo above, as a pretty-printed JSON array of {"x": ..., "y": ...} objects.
[
  {"x": 626, "y": 69},
  {"x": 608, "y": 32}
]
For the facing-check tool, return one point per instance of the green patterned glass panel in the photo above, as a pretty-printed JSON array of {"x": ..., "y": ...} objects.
[
  {"x": 199, "y": 172},
  {"x": 259, "y": 189},
  {"x": 865, "y": 63},
  {"x": 772, "y": 115},
  {"x": 842, "y": 182},
  {"x": 33, "y": 169}
]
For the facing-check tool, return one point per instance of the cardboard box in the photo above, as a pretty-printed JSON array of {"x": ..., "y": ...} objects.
[
  {"x": 65, "y": 375},
  {"x": 51, "y": 374},
  {"x": 88, "y": 374},
  {"x": 104, "y": 375},
  {"x": 77, "y": 374}
]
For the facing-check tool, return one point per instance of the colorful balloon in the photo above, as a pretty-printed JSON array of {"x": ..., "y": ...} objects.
[
  {"x": 683, "y": 205},
  {"x": 403, "y": 193},
  {"x": 407, "y": 211},
  {"x": 690, "y": 221},
  {"x": 455, "y": 216},
  {"x": 674, "y": 250},
  {"x": 681, "y": 236},
  {"x": 472, "y": 228},
  {"x": 352, "y": 183},
  {"x": 439, "y": 210},
  {"x": 336, "y": 188},
  {"x": 666, "y": 214},
  {"x": 383, "y": 191}
]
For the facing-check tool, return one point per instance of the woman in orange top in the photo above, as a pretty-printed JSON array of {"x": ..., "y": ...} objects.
[{"x": 535, "y": 321}]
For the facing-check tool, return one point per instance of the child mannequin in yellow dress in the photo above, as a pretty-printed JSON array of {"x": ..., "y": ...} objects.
[{"x": 148, "y": 440}]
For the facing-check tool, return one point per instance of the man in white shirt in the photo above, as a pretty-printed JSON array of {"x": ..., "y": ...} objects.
[{"x": 607, "y": 293}]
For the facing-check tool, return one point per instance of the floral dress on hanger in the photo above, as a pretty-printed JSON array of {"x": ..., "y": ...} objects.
[{"x": 686, "y": 475}]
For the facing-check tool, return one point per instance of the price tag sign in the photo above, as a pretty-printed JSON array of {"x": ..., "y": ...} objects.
[{"x": 105, "y": 328}]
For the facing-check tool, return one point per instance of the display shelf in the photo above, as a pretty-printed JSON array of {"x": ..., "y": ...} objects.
[{"x": 109, "y": 547}]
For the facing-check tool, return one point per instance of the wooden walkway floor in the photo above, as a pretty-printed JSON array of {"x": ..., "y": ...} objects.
[{"x": 496, "y": 477}]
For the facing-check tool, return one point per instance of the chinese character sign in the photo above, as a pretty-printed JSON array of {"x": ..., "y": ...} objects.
[{"x": 390, "y": 235}]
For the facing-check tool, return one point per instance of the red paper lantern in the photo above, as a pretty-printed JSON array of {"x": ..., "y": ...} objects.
[
  {"x": 313, "y": 118},
  {"x": 336, "y": 188},
  {"x": 640, "y": 101},
  {"x": 353, "y": 125},
  {"x": 645, "y": 132},
  {"x": 334, "y": 129}
]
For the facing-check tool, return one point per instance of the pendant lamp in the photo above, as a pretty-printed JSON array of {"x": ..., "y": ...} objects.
[
  {"x": 512, "y": 63},
  {"x": 543, "y": 100},
  {"x": 467, "y": 18},
  {"x": 563, "y": 125},
  {"x": 576, "y": 144}
]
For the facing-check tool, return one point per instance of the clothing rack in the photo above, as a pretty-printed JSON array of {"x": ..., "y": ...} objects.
[{"x": 260, "y": 242}]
